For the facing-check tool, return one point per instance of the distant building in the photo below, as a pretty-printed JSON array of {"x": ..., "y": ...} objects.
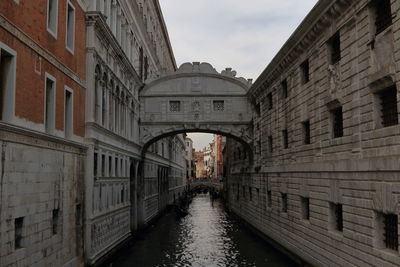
[
  {"x": 189, "y": 156},
  {"x": 199, "y": 164}
]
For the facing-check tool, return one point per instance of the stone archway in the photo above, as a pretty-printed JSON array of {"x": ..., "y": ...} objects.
[{"x": 196, "y": 98}]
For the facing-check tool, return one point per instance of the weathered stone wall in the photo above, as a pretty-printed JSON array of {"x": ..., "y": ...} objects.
[
  {"x": 42, "y": 183},
  {"x": 359, "y": 170}
]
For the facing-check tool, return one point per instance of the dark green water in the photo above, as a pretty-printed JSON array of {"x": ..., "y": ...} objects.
[{"x": 208, "y": 236}]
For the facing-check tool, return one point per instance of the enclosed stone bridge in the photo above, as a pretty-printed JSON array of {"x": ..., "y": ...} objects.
[{"x": 196, "y": 98}]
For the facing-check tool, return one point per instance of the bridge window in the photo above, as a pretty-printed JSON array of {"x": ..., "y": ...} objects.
[
  {"x": 336, "y": 216},
  {"x": 305, "y": 208},
  {"x": 174, "y": 106},
  {"x": 218, "y": 105},
  {"x": 305, "y": 72},
  {"x": 334, "y": 49},
  {"x": 383, "y": 15},
  {"x": 284, "y": 202}
]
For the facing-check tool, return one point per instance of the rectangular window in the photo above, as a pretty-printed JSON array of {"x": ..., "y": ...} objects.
[
  {"x": 70, "y": 37},
  {"x": 269, "y": 101},
  {"x": 218, "y": 105},
  {"x": 284, "y": 86},
  {"x": 336, "y": 216},
  {"x": 387, "y": 230},
  {"x": 7, "y": 71},
  {"x": 174, "y": 106},
  {"x": 269, "y": 197},
  {"x": 18, "y": 228},
  {"x": 306, "y": 132},
  {"x": 270, "y": 144},
  {"x": 383, "y": 14},
  {"x": 250, "y": 193},
  {"x": 95, "y": 164},
  {"x": 285, "y": 139},
  {"x": 49, "y": 104},
  {"x": 68, "y": 114},
  {"x": 103, "y": 165},
  {"x": 388, "y": 106},
  {"x": 305, "y": 72},
  {"x": 305, "y": 208},
  {"x": 109, "y": 166},
  {"x": 55, "y": 221},
  {"x": 52, "y": 15},
  {"x": 334, "y": 49},
  {"x": 116, "y": 167},
  {"x": 337, "y": 122},
  {"x": 284, "y": 202}
]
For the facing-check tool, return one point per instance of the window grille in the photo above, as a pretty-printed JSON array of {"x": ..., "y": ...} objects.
[
  {"x": 305, "y": 71},
  {"x": 285, "y": 139},
  {"x": 218, "y": 105},
  {"x": 284, "y": 202},
  {"x": 391, "y": 231},
  {"x": 307, "y": 132},
  {"x": 338, "y": 210},
  {"x": 388, "y": 99},
  {"x": 337, "y": 122},
  {"x": 305, "y": 208},
  {"x": 270, "y": 144},
  {"x": 175, "y": 106},
  {"x": 334, "y": 44},
  {"x": 383, "y": 15}
]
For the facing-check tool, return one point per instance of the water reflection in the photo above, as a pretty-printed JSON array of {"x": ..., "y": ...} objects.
[{"x": 206, "y": 237}]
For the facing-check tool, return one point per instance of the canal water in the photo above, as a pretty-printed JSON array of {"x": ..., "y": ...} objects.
[{"x": 208, "y": 236}]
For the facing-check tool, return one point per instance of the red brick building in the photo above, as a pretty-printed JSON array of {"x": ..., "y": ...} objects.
[{"x": 42, "y": 119}]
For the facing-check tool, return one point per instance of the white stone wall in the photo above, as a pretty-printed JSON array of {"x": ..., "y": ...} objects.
[{"x": 38, "y": 176}]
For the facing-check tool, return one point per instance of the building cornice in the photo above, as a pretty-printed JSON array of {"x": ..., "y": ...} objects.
[{"x": 319, "y": 19}]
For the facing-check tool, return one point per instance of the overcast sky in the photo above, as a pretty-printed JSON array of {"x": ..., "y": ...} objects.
[{"x": 243, "y": 35}]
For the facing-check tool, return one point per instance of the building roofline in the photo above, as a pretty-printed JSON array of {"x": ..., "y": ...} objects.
[{"x": 165, "y": 32}]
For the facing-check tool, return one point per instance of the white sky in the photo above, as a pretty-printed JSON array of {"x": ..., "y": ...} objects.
[{"x": 243, "y": 35}]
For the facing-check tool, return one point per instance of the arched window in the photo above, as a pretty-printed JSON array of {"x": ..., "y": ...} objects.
[
  {"x": 111, "y": 106},
  {"x": 104, "y": 100}
]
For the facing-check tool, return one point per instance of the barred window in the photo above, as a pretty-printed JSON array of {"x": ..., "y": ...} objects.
[
  {"x": 284, "y": 202},
  {"x": 383, "y": 15},
  {"x": 270, "y": 144},
  {"x": 305, "y": 72},
  {"x": 334, "y": 47},
  {"x": 218, "y": 105},
  {"x": 285, "y": 138},
  {"x": 388, "y": 103},
  {"x": 336, "y": 211},
  {"x": 305, "y": 208},
  {"x": 391, "y": 231},
  {"x": 337, "y": 122},
  {"x": 306, "y": 132},
  {"x": 174, "y": 106}
]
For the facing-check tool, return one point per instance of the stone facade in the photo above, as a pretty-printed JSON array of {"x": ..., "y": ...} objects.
[
  {"x": 42, "y": 73},
  {"x": 325, "y": 177}
]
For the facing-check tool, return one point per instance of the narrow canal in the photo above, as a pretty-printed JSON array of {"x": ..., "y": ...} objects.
[{"x": 208, "y": 236}]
